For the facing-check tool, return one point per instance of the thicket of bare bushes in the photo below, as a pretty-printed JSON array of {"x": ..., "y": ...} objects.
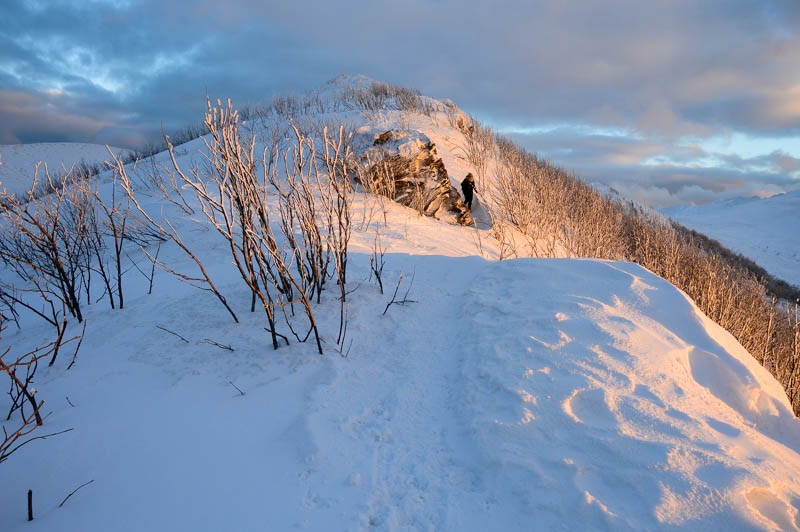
[
  {"x": 283, "y": 211},
  {"x": 57, "y": 247},
  {"x": 60, "y": 253},
  {"x": 557, "y": 213}
]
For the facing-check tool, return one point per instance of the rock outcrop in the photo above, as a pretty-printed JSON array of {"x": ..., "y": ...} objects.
[{"x": 404, "y": 166}]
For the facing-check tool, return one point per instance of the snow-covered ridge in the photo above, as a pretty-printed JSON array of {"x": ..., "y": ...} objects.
[
  {"x": 762, "y": 229},
  {"x": 18, "y": 161},
  {"x": 513, "y": 395}
]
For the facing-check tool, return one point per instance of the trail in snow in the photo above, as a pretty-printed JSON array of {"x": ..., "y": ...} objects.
[
  {"x": 481, "y": 214},
  {"x": 397, "y": 440}
]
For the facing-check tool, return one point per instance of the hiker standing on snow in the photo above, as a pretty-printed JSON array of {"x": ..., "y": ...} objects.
[{"x": 468, "y": 187}]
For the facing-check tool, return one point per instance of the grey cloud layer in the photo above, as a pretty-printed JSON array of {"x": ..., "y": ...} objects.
[
  {"x": 114, "y": 71},
  {"x": 637, "y": 168}
]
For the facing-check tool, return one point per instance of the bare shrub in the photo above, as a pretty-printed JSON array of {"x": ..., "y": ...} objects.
[
  {"x": 338, "y": 162},
  {"x": 312, "y": 191},
  {"x": 165, "y": 231},
  {"x": 400, "y": 301},
  {"x": 476, "y": 148},
  {"x": 110, "y": 225},
  {"x": 377, "y": 260},
  {"x": 297, "y": 204},
  {"x": 379, "y": 96},
  {"x": 21, "y": 371},
  {"x": 43, "y": 243},
  {"x": 57, "y": 244}
]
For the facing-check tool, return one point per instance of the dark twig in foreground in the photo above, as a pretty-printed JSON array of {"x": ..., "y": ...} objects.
[
  {"x": 237, "y": 388},
  {"x": 217, "y": 344},
  {"x": 73, "y": 492},
  {"x": 80, "y": 341},
  {"x": 21, "y": 432},
  {"x": 405, "y": 299},
  {"x": 173, "y": 333},
  {"x": 345, "y": 354}
]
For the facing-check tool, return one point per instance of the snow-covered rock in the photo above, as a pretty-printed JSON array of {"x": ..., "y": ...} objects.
[{"x": 418, "y": 178}]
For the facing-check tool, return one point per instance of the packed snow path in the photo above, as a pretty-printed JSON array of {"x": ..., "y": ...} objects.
[{"x": 399, "y": 429}]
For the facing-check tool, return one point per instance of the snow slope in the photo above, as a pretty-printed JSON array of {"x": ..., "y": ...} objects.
[
  {"x": 762, "y": 229},
  {"x": 18, "y": 161},
  {"x": 514, "y": 395}
]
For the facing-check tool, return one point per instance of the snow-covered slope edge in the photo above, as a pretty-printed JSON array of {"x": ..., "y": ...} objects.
[{"x": 632, "y": 394}]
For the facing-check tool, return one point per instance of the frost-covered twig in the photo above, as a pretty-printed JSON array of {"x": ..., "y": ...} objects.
[
  {"x": 377, "y": 261},
  {"x": 77, "y": 347},
  {"x": 237, "y": 388}
]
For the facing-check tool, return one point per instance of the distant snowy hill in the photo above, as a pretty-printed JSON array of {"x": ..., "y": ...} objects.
[
  {"x": 527, "y": 394},
  {"x": 18, "y": 161},
  {"x": 764, "y": 230}
]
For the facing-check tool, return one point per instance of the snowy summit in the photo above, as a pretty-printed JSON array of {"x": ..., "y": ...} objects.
[{"x": 520, "y": 394}]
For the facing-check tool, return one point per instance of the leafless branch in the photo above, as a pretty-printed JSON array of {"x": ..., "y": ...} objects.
[
  {"x": 172, "y": 333},
  {"x": 74, "y": 491},
  {"x": 404, "y": 300}
]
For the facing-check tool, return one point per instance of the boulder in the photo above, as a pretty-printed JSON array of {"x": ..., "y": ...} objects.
[{"x": 404, "y": 166}]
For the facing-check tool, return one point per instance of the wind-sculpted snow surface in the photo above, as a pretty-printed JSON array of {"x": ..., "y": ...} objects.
[{"x": 610, "y": 400}]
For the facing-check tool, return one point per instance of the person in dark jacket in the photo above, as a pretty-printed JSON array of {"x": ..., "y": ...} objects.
[{"x": 468, "y": 187}]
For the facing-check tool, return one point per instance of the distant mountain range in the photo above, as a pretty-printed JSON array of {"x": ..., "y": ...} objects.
[{"x": 766, "y": 230}]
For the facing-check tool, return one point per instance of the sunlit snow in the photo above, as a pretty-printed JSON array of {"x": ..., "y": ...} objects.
[{"x": 528, "y": 394}]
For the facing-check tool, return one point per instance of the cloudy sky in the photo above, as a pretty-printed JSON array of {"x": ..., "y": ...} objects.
[{"x": 666, "y": 100}]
